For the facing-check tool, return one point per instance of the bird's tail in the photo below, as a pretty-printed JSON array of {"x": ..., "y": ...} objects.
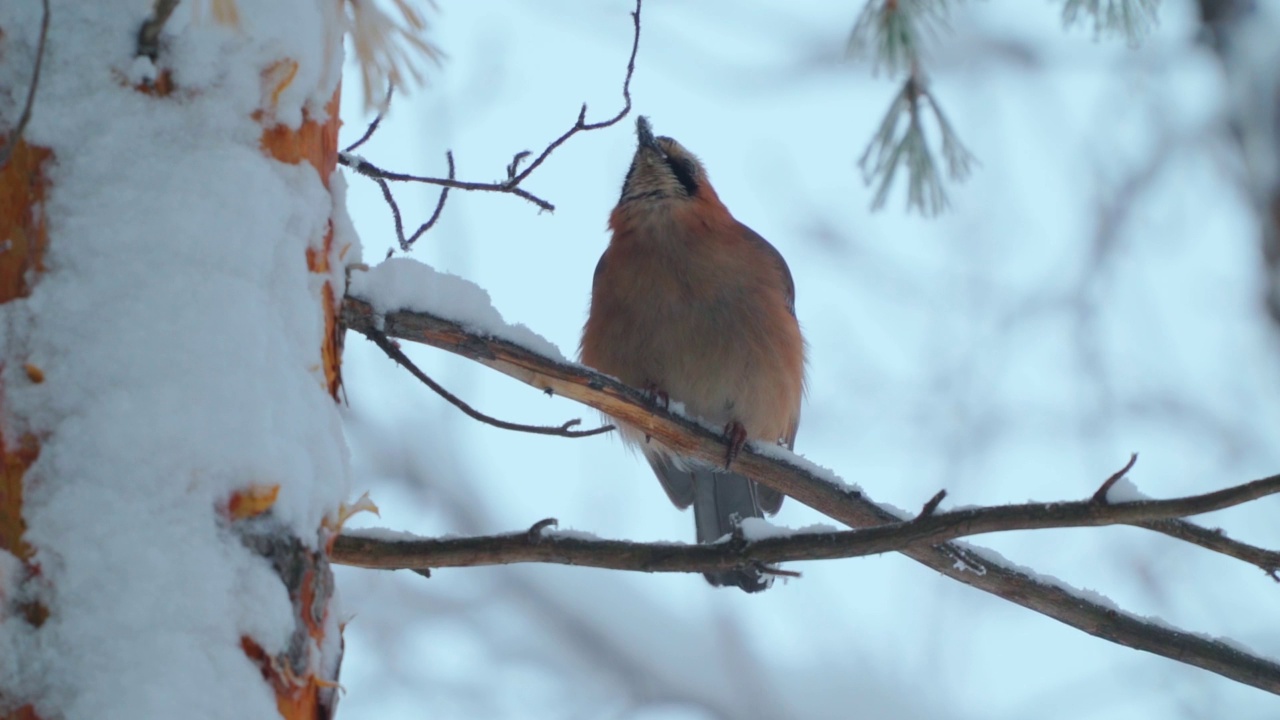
[{"x": 720, "y": 501}]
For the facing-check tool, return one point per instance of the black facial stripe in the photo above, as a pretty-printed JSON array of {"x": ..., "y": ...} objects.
[{"x": 683, "y": 169}]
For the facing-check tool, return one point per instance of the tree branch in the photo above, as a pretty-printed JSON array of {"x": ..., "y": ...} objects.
[
  {"x": 389, "y": 347},
  {"x": 928, "y": 528},
  {"x": 824, "y": 492}
]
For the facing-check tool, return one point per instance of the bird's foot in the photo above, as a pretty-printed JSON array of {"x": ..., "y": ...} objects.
[
  {"x": 657, "y": 396},
  {"x": 736, "y": 434}
]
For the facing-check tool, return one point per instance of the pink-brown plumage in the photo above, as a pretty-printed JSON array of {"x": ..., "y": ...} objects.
[{"x": 690, "y": 302}]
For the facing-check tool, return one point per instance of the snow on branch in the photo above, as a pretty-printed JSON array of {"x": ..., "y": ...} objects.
[
  {"x": 827, "y": 494},
  {"x": 515, "y": 174}
]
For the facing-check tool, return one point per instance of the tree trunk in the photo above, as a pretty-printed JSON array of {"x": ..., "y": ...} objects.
[{"x": 173, "y": 465}]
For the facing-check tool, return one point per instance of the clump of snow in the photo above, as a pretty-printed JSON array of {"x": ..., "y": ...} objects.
[
  {"x": 1124, "y": 490},
  {"x": 762, "y": 529},
  {"x": 406, "y": 284},
  {"x": 384, "y": 534},
  {"x": 569, "y": 534}
]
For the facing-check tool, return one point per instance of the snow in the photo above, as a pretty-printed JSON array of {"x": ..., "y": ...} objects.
[
  {"x": 827, "y": 475},
  {"x": 1124, "y": 490},
  {"x": 406, "y": 284},
  {"x": 569, "y": 534},
  {"x": 761, "y": 529},
  {"x": 384, "y": 534},
  {"x": 179, "y": 332}
]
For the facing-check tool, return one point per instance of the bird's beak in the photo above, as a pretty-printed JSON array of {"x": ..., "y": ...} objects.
[{"x": 644, "y": 134}]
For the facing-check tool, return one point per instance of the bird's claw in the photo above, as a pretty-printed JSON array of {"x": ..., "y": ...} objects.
[
  {"x": 657, "y": 397},
  {"x": 736, "y": 434}
]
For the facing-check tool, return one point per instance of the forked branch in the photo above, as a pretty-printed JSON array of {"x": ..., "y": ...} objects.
[
  {"x": 830, "y": 496},
  {"x": 515, "y": 174}
]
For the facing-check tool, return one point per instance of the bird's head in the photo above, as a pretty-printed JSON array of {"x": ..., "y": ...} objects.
[{"x": 662, "y": 170}]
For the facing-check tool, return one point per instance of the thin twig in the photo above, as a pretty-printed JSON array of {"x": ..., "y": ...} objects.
[
  {"x": 582, "y": 125},
  {"x": 406, "y": 243},
  {"x": 369, "y": 170},
  {"x": 932, "y": 506},
  {"x": 534, "y": 533},
  {"x": 395, "y": 353},
  {"x": 827, "y": 494},
  {"x": 1101, "y": 495},
  {"x": 16, "y": 133},
  {"x": 374, "y": 124},
  {"x": 1216, "y": 540},
  {"x": 515, "y": 176}
]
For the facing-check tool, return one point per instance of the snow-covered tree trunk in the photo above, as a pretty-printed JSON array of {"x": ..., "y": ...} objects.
[{"x": 172, "y": 467}]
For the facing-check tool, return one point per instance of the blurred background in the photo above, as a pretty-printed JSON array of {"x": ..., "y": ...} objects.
[{"x": 1096, "y": 288}]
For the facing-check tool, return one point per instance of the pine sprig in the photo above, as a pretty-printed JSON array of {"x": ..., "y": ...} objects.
[
  {"x": 892, "y": 35},
  {"x": 901, "y": 141}
]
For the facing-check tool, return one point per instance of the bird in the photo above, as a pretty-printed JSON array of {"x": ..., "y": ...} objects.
[{"x": 688, "y": 304}]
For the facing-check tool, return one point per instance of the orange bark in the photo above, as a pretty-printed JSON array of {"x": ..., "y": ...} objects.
[
  {"x": 26, "y": 712},
  {"x": 23, "y": 239},
  {"x": 23, "y": 235},
  {"x": 314, "y": 142}
]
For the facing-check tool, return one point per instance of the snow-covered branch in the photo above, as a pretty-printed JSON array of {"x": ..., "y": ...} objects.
[{"x": 826, "y": 493}]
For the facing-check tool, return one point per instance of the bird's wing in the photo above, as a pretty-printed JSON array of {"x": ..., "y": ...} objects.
[
  {"x": 676, "y": 481},
  {"x": 754, "y": 237}
]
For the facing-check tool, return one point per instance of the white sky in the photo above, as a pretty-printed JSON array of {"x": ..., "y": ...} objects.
[{"x": 992, "y": 352}]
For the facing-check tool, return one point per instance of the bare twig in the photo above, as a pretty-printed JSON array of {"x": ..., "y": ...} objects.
[
  {"x": 16, "y": 133},
  {"x": 369, "y": 170},
  {"x": 926, "y": 529},
  {"x": 932, "y": 506},
  {"x": 534, "y": 533},
  {"x": 515, "y": 176},
  {"x": 407, "y": 242},
  {"x": 395, "y": 353},
  {"x": 1101, "y": 495},
  {"x": 830, "y": 497},
  {"x": 582, "y": 125},
  {"x": 1213, "y": 539},
  {"x": 373, "y": 124}
]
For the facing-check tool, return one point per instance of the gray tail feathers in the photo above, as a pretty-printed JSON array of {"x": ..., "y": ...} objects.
[{"x": 720, "y": 501}]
